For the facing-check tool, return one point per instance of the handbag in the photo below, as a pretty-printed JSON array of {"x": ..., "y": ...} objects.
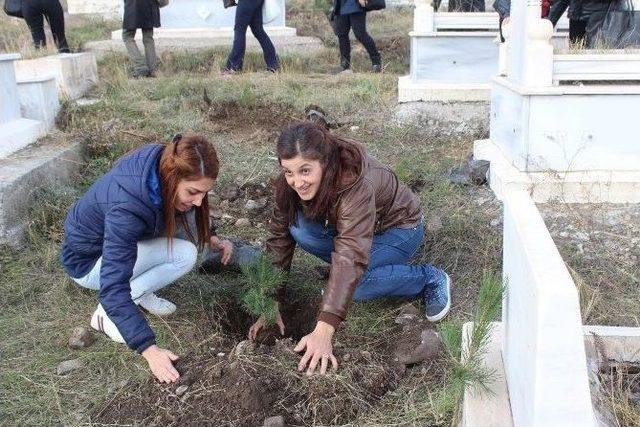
[
  {"x": 162, "y": 3},
  {"x": 374, "y": 5},
  {"x": 229, "y": 3},
  {"x": 13, "y": 8},
  {"x": 270, "y": 11}
]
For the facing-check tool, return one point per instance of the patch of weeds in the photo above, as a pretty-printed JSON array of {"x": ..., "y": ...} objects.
[{"x": 91, "y": 29}]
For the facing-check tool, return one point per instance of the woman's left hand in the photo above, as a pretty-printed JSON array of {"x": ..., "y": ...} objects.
[
  {"x": 319, "y": 349},
  {"x": 224, "y": 246}
]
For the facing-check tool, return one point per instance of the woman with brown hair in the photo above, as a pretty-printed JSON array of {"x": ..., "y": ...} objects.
[
  {"x": 121, "y": 238},
  {"x": 343, "y": 206}
]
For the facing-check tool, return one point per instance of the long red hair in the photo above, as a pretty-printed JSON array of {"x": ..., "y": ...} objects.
[{"x": 188, "y": 157}]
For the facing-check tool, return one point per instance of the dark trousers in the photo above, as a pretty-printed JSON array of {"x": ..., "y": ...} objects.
[
  {"x": 357, "y": 22},
  {"x": 249, "y": 14},
  {"x": 33, "y": 12},
  {"x": 577, "y": 30}
]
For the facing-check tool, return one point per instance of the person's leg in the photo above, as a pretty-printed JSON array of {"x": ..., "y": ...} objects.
[
  {"x": 343, "y": 26},
  {"x": 55, "y": 15},
  {"x": 235, "y": 60},
  {"x": 359, "y": 25},
  {"x": 151, "y": 60},
  {"x": 313, "y": 237},
  {"x": 139, "y": 64},
  {"x": 389, "y": 275},
  {"x": 577, "y": 30},
  {"x": 33, "y": 17},
  {"x": 268, "y": 50},
  {"x": 157, "y": 265}
]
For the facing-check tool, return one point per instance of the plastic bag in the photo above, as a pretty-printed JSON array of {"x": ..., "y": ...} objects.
[
  {"x": 616, "y": 28},
  {"x": 270, "y": 11}
]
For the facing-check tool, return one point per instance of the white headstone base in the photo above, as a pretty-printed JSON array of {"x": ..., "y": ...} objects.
[
  {"x": 19, "y": 133},
  {"x": 75, "y": 73},
  {"x": 39, "y": 100},
  {"x": 203, "y": 33},
  {"x": 410, "y": 91},
  {"x": 567, "y": 187}
]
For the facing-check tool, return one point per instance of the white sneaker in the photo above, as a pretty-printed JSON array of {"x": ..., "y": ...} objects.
[
  {"x": 156, "y": 305},
  {"x": 101, "y": 322}
]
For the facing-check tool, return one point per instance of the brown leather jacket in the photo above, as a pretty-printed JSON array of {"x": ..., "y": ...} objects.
[{"x": 368, "y": 204}]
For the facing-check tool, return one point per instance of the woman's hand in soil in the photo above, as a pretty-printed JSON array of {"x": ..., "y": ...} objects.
[
  {"x": 261, "y": 322},
  {"x": 224, "y": 246},
  {"x": 319, "y": 349},
  {"x": 161, "y": 363}
]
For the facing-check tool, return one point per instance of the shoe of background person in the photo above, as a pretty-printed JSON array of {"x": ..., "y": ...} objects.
[
  {"x": 437, "y": 299},
  {"x": 101, "y": 322},
  {"x": 141, "y": 73},
  {"x": 228, "y": 72},
  {"x": 376, "y": 68},
  {"x": 156, "y": 305}
]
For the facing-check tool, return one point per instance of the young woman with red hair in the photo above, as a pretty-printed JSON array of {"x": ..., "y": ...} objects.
[
  {"x": 343, "y": 206},
  {"x": 121, "y": 238}
]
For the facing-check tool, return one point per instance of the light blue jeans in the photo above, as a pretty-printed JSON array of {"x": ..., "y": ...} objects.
[
  {"x": 388, "y": 274},
  {"x": 156, "y": 266}
]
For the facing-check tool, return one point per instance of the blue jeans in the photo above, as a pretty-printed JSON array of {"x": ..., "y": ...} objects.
[
  {"x": 388, "y": 274},
  {"x": 249, "y": 14}
]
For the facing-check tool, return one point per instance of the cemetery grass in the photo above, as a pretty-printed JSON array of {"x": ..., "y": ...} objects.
[{"x": 39, "y": 305}]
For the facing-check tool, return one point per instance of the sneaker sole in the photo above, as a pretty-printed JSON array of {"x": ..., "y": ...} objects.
[{"x": 445, "y": 311}]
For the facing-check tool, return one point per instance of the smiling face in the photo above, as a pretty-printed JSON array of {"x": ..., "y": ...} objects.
[
  {"x": 303, "y": 175},
  {"x": 191, "y": 193}
]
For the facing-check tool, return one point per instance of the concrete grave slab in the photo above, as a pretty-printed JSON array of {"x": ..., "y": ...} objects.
[
  {"x": 39, "y": 100},
  {"x": 75, "y": 73}
]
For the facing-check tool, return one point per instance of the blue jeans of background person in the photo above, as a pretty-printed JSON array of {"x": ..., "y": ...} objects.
[
  {"x": 388, "y": 274},
  {"x": 249, "y": 14}
]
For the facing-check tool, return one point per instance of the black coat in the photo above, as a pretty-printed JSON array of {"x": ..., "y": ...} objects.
[
  {"x": 581, "y": 10},
  {"x": 141, "y": 14}
]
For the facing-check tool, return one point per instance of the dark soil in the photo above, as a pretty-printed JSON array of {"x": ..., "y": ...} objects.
[
  {"x": 238, "y": 385},
  {"x": 231, "y": 115}
]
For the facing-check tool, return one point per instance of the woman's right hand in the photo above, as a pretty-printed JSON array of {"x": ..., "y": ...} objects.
[
  {"x": 256, "y": 327},
  {"x": 161, "y": 363}
]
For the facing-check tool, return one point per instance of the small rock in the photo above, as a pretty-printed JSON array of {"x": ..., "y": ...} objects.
[
  {"x": 255, "y": 205},
  {"x": 68, "y": 366},
  {"x": 277, "y": 421},
  {"x": 229, "y": 192},
  {"x": 410, "y": 308},
  {"x": 227, "y": 217},
  {"x": 215, "y": 213},
  {"x": 233, "y": 366},
  {"x": 563, "y": 234},
  {"x": 243, "y": 222},
  {"x": 217, "y": 371},
  {"x": 221, "y": 354},
  {"x": 80, "y": 338},
  {"x": 496, "y": 222},
  {"x": 472, "y": 172},
  {"x": 428, "y": 349},
  {"x": 346, "y": 357},
  {"x": 181, "y": 390},
  {"x": 244, "y": 347},
  {"x": 354, "y": 128},
  {"x": 434, "y": 224},
  {"x": 365, "y": 354},
  {"x": 582, "y": 236}
]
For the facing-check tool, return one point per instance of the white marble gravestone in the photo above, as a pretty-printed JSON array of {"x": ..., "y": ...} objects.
[
  {"x": 16, "y": 132},
  {"x": 185, "y": 18},
  {"x": 454, "y": 55},
  {"x": 547, "y": 133}
]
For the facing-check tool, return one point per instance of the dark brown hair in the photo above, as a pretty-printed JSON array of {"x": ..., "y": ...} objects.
[
  {"x": 339, "y": 158},
  {"x": 188, "y": 157}
]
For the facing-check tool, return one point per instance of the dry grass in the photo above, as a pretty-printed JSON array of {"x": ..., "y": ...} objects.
[{"x": 39, "y": 305}]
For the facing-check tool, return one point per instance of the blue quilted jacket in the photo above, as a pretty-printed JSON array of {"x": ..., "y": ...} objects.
[{"x": 120, "y": 209}]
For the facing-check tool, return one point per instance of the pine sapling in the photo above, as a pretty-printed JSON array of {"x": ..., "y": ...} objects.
[{"x": 262, "y": 281}]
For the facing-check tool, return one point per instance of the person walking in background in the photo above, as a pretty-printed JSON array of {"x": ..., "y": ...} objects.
[
  {"x": 143, "y": 14},
  {"x": 249, "y": 14},
  {"x": 33, "y": 12},
  {"x": 350, "y": 14}
]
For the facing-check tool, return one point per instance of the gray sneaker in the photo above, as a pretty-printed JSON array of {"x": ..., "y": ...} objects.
[
  {"x": 437, "y": 300},
  {"x": 242, "y": 254}
]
